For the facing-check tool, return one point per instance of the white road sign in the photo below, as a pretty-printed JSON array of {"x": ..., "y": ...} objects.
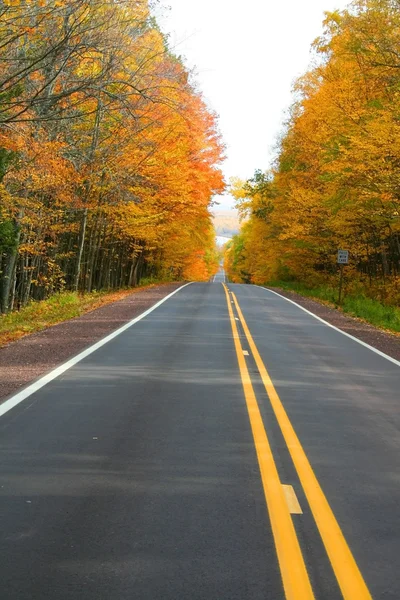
[{"x": 343, "y": 257}]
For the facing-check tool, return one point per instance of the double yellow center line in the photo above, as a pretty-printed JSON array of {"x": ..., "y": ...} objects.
[{"x": 294, "y": 574}]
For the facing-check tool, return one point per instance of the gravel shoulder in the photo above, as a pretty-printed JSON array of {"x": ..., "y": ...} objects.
[
  {"x": 25, "y": 360},
  {"x": 386, "y": 342}
]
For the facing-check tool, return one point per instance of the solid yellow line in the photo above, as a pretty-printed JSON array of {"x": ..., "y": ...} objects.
[
  {"x": 348, "y": 575},
  {"x": 291, "y": 563}
]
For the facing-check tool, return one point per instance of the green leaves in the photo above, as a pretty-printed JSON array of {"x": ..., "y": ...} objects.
[
  {"x": 7, "y": 157},
  {"x": 8, "y": 238}
]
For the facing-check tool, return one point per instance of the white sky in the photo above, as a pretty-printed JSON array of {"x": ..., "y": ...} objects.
[{"x": 246, "y": 55}]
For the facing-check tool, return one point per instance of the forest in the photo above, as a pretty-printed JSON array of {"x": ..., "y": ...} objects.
[
  {"x": 335, "y": 183},
  {"x": 109, "y": 156}
]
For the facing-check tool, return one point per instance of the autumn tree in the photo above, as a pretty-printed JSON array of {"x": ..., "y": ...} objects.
[
  {"x": 107, "y": 152},
  {"x": 336, "y": 179}
]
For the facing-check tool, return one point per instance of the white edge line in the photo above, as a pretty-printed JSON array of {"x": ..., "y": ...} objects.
[
  {"x": 393, "y": 360},
  {"x": 37, "y": 385}
]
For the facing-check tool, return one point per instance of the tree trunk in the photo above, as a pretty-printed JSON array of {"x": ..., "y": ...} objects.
[
  {"x": 80, "y": 249},
  {"x": 9, "y": 262}
]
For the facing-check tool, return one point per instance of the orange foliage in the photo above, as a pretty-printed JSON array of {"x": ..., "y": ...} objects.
[
  {"x": 336, "y": 181},
  {"x": 109, "y": 158}
]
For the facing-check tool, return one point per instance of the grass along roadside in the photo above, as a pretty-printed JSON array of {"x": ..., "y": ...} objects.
[
  {"x": 369, "y": 310},
  {"x": 60, "y": 307}
]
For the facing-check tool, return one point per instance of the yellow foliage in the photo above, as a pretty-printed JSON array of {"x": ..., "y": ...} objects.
[
  {"x": 109, "y": 157},
  {"x": 337, "y": 179}
]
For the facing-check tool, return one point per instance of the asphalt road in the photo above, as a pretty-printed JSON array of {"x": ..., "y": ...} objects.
[{"x": 154, "y": 467}]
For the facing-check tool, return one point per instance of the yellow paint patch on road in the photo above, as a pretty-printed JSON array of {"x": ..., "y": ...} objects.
[
  {"x": 295, "y": 578},
  {"x": 291, "y": 499},
  {"x": 347, "y": 573},
  {"x": 245, "y": 353}
]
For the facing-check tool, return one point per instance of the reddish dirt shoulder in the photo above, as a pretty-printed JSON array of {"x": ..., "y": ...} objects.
[
  {"x": 26, "y": 359},
  {"x": 386, "y": 342}
]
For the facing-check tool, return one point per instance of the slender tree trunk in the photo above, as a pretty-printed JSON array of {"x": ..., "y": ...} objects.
[
  {"x": 130, "y": 278},
  {"x": 80, "y": 249},
  {"x": 8, "y": 270},
  {"x": 137, "y": 270},
  {"x": 95, "y": 140}
]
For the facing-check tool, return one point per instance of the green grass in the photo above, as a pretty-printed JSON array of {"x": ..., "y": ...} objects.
[
  {"x": 60, "y": 307},
  {"x": 38, "y": 315},
  {"x": 146, "y": 281},
  {"x": 373, "y": 311},
  {"x": 370, "y": 310}
]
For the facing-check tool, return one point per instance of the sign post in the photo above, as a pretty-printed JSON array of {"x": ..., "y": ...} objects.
[{"x": 342, "y": 259}]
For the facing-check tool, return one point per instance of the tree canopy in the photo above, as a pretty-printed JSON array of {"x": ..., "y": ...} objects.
[
  {"x": 109, "y": 156},
  {"x": 335, "y": 183}
]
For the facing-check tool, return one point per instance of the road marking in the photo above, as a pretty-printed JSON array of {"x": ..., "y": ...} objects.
[
  {"x": 393, "y": 360},
  {"x": 245, "y": 353},
  {"x": 291, "y": 499},
  {"x": 37, "y": 385},
  {"x": 350, "y": 580},
  {"x": 295, "y": 579}
]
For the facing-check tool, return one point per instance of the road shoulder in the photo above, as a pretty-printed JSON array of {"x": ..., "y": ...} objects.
[
  {"x": 386, "y": 342},
  {"x": 25, "y": 360}
]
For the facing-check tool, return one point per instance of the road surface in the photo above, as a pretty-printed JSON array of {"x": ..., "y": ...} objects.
[
  {"x": 227, "y": 446},
  {"x": 219, "y": 277}
]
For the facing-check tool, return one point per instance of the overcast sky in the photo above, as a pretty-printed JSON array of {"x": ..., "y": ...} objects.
[{"x": 246, "y": 55}]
